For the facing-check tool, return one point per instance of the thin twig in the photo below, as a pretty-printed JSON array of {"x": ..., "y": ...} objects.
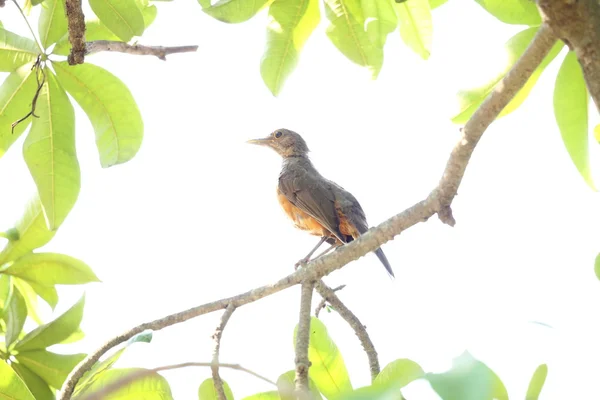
[
  {"x": 39, "y": 70},
  {"x": 303, "y": 339},
  {"x": 76, "y": 23},
  {"x": 323, "y": 303},
  {"x": 218, "y": 382},
  {"x": 124, "y": 381},
  {"x": 438, "y": 200},
  {"x": 29, "y": 26},
  {"x": 360, "y": 330},
  {"x": 136, "y": 49}
]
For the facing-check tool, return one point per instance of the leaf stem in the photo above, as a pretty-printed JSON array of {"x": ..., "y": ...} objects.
[{"x": 30, "y": 28}]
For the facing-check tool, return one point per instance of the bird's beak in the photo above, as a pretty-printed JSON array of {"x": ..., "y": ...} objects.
[{"x": 261, "y": 142}]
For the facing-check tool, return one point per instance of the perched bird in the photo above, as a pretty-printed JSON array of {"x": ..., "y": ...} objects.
[{"x": 314, "y": 203}]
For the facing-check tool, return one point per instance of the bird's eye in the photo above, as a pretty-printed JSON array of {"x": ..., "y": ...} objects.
[{"x": 278, "y": 134}]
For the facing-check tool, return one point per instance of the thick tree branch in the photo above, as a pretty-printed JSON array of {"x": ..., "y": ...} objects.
[
  {"x": 303, "y": 339},
  {"x": 76, "y": 22},
  {"x": 124, "y": 381},
  {"x": 438, "y": 201},
  {"x": 577, "y": 23},
  {"x": 218, "y": 382},
  {"x": 136, "y": 49},
  {"x": 359, "y": 329}
]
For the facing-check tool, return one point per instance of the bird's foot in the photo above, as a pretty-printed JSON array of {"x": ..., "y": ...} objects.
[{"x": 301, "y": 263}]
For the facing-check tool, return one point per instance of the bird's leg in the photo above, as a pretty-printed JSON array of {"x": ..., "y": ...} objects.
[
  {"x": 333, "y": 246},
  {"x": 307, "y": 258}
]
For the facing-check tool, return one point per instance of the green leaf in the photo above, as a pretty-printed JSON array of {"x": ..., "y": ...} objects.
[
  {"x": 50, "y": 269},
  {"x": 519, "y": 12},
  {"x": 537, "y": 382},
  {"x": 15, "y": 51},
  {"x": 416, "y": 26},
  {"x": 37, "y": 386},
  {"x": 47, "y": 293},
  {"x": 110, "y": 107},
  {"x": 399, "y": 373},
  {"x": 5, "y": 292},
  {"x": 30, "y": 297},
  {"x": 94, "y": 30},
  {"x": 73, "y": 337},
  {"x": 55, "y": 331},
  {"x": 32, "y": 230},
  {"x": 49, "y": 151},
  {"x": 290, "y": 24},
  {"x": 207, "y": 391},
  {"x": 470, "y": 99},
  {"x": 52, "y": 24},
  {"x": 234, "y": 11},
  {"x": 151, "y": 387},
  {"x": 15, "y": 316},
  {"x": 12, "y": 386},
  {"x": 327, "y": 369},
  {"x": 148, "y": 11},
  {"x": 286, "y": 387},
  {"x": 122, "y": 17},
  {"x": 51, "y": 367},
  {"x": 273, "y": 395},
  {"x": 597, "y": 266},
  {"x": 380, "y": 19},
  {"x": 436, "y": 3},
  {"x": 571, "y": 112},
  {"x": 101, "y": 366},
  {"x": 469, "y": 379},
  {"x": 374, "y": 392},
  {"x": 16, "y": 94},
  {"x": 347, "y": 33}
]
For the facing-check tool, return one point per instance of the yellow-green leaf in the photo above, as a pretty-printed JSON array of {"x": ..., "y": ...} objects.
[
  {"x": 110, "y": 107},
  {"x": 380, "y": 19},
  {"x": 49, "y": 151},
  {"x": 151, "y": 387},
  {"x": 52, "y": 24},
  {"x": 470, "y": 99},
  {"x": 234, "y": 11},
  {"x": 55, "y": 331},
  {"x": 272, "y": 395},
  {"x": 33, "y": 232},
  {"x": 16, "y": 94},
  {"x": 30, "y": 297},
  {"x": 94, "y": 30},
  {"x": 37, "y": 386},
  {"x": 436, "y": 3},
  {"x": 348, "y": 34},
  {"x": 122, "y": 17},
  {"x": 399, "y": 373},
  {"x": 597, "y": 266},
  {"x": 327, "y": 369},
  {"x": 571, "y": 112},
  {"x": 15, "y": 316},
  {"x": 51, "y": 367},
  {"x": 286, "y": 386},
  {"x": 47, "y": 293},
  {"x": 12, "y": 386},
  {"x": 15, "y": 51},
  {"x": 416, "y": 26},
  {"x": 520, "y": 12},
  {"x": 50, "y": 269},
  {"x": 537, "y": 382},
  {"x": 290, "y": 24},
  {"x": 207, "y": 390}
]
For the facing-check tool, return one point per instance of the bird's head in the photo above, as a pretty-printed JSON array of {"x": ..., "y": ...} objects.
[{"x": 285, "y": 142}]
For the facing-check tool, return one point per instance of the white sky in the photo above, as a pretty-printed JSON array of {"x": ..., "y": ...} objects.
[{"x": 194, "y": 217}]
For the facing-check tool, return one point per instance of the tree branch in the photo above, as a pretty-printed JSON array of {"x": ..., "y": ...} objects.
[
  {"x": 218, "y": 382},
  {"x": 577, "y": 23},
  {"x": 161, "y": 52},
  {"x": 124, "y": 381},
  {"x": 438, "y": 201},
  {"x": 323, "y": 302},
  {"x": 303, "y": 339},
  {"x": 76, "y": 22},
  {"x": 359, "y": 329}
]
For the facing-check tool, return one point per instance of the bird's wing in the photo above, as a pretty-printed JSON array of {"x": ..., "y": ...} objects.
[{"x": 314, "y": 196}]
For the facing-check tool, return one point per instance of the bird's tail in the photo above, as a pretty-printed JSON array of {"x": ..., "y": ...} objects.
[{"x": 384, "y": 261}]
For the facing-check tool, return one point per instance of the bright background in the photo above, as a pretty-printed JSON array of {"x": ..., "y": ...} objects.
[{"x": 194, "y": 217}]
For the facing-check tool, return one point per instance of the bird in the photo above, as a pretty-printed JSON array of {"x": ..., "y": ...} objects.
[{"x": 314, "y": 203}]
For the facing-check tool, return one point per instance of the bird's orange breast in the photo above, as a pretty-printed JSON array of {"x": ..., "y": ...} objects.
[{"x": 301, "y": 219}]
